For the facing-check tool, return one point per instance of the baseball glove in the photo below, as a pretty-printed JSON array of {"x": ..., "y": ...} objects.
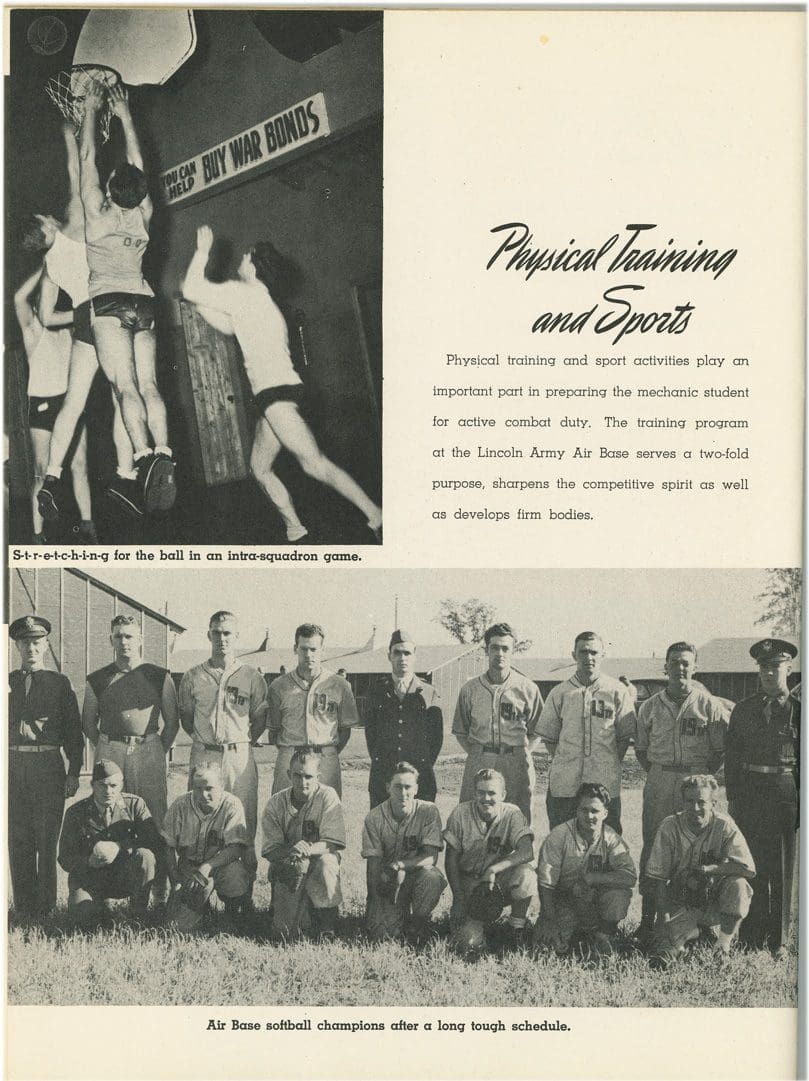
[
  {"x": 390, "y": 882},
  {"x": 290, "y": 870},
  {"x": 189, "y": 904},
  {"x": 484, "y": 904},
  {"x": 104, "y": 853},
  {"x": 697, "y": 889}
]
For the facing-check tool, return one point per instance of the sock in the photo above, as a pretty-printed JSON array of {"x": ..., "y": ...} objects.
[
  {"x": 139, "y": 455},
  {"x": 127, "y": 474},
  {"x": 163, "y": 450},
  {"x": 295, "y": 532},
  {"x": 54, "y": 471},
  {"x": 516, "y": 921}
]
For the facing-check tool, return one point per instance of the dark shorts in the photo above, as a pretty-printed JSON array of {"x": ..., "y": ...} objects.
[
  {"x": 42, "y": 412},
  {"x": 82, "y": 330},
  {"x": 134, "y": 311},
  {"x": 286, "y": 393}
]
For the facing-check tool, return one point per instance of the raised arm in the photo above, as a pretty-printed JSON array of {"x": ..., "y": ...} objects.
[
  {"x": 74, "y": 212},
  {"x": 119, "y": 103},
  {"x": 196, "y": 286},
  {"x": 92, "y": 197}
]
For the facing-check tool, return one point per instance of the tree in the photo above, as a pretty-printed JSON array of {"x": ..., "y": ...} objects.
[
  {"x": 782, "y": 600},
  {"x": 467, "y": 621}
]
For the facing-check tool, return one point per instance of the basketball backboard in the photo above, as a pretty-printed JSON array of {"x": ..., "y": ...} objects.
[{"x": 144, "y": 45}]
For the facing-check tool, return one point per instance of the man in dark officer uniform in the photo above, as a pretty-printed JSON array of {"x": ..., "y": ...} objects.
[
  {"x": 43, "y": 718},
  {"x": 403, "y": 722},
  {"x": 762, "y": 760}
]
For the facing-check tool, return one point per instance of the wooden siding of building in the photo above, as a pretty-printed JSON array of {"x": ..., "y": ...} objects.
[{"x": 80, "y": 610}]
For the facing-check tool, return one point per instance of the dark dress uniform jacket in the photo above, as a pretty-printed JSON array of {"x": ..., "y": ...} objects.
[
  {"x": 50, "y": 711},
  {"x": 410, "y": 730},
  {"x": 762, "y": 776}
]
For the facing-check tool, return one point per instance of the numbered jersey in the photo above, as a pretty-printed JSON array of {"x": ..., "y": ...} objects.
[
  {"x": 390, "y": 840},
  {"x": 498, "y": 714},
  {"x": 200, "y": 836},
  {"x": 585, "y": 723},
  {"x": 319, "y": 819},
  {"x": 565, "y": 856},
  {"x": 299, "y": 714},
  {"x": 479, "y": 843},
  {"x": 116, "y": 244},
  {"x": 685, "y": 734}
]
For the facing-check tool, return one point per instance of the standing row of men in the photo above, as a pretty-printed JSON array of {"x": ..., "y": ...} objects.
[{"x": 586, "y": 724}]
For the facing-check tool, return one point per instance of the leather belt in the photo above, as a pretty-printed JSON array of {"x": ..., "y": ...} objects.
[
  {"x": 130, "y": 739},
  {"x": 220, "y": 746},
  {"x": 34, "y": 748},
  {"x": 503, "y": 748},
  {"x": 768, "y": 769}
]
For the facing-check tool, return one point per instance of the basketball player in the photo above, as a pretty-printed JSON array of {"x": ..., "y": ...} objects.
[
  {"x": 66, "y": 268},
  {"x": 122, "y": 304},
  {"x": 246, "y": 308},
  {"x": 48, "y": 353}
]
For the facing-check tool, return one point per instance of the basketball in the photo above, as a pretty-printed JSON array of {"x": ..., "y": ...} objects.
[{"x": 47, "y": 35}]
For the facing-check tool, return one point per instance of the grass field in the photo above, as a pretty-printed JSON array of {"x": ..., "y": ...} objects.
[{"x": 124, "y": 965}]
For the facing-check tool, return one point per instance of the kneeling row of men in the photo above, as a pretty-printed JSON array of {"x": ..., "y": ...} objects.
[{"x": 700, "y": 864}]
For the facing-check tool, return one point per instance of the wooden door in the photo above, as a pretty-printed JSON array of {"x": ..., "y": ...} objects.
[
  {"x": 214, "y": 369},
  {"x": 20, "y": 469}
]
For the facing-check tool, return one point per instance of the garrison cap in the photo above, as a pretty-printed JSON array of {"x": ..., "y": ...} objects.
[
  {"x": 105, "y": 768},
  {"x": 29, "y": 627},
  {"x": 772, "y": 649},
  {"x": 399, "y": 637}
]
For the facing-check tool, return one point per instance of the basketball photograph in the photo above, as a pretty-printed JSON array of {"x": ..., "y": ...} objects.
[{"x": 193, "y": 276}]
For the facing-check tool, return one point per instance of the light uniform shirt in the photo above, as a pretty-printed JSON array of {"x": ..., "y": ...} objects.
[
  {"x": 261, "y": 331},
  {"x": 586, "y": 723},
  {"x": 677, "y": 849},
  {"x": 498, "y": 713},
  {"x": 299, "y": 715},
  {"x": 66, "y": 263},
  {"x": 565, "y": 856},
  {"x": 116, "y": 244},
  {"x": 49, "y": 363},
  {"x": 685, "y": 733},
  {"x": 224, "y": 702},
  {"x": 186, "y": 827},
  {"x": 319, "y": 819},
  {"x": 390, "y": 840},
  {"x": 479, "y": 843}
]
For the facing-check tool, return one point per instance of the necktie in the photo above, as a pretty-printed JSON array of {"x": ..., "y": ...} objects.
[
  {"x": 108, "y": 817},
  {"x": 29, "y": 679}
]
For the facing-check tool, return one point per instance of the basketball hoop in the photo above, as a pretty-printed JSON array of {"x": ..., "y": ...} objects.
[{"x": 68, "y": 89}]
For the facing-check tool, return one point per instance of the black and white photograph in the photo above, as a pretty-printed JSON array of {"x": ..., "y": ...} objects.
[
  {"x": 193, "y": 271},
  {"x": 404, "y": 788}
]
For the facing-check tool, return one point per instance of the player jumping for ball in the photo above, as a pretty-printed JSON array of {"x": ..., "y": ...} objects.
[
  {"x": 66, "y": 268},
  {"x": 246, "y": 309},
  {"x": 122, "y": 304}
]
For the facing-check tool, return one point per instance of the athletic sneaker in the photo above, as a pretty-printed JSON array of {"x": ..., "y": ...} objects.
[
  {"x": 126, "y": 492},
  {"x": 156, "y": 477},
  {"x": 48, "y": 499}
]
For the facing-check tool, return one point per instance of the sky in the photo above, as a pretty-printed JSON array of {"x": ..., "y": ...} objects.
[{"x": 638, "y": 612}]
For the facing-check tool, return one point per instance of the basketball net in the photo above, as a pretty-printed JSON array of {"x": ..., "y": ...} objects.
[{"x": 68, "y": 89}]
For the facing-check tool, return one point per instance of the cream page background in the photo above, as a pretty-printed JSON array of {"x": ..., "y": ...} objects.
[{"x": 577, "y": 123}]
